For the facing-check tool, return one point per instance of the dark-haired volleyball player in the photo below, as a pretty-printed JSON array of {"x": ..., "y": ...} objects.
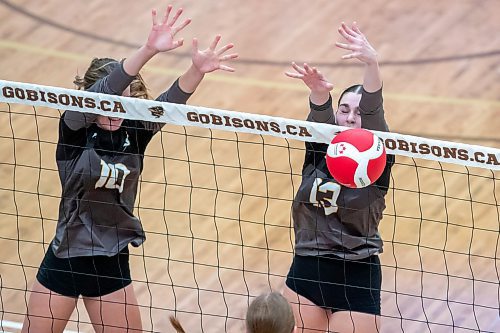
[
  {"x": 335, "y": 279},
  {"x": 100, "y": 160}
]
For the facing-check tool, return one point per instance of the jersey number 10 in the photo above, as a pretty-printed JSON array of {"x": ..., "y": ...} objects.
[{"x": 112, "y": 176}]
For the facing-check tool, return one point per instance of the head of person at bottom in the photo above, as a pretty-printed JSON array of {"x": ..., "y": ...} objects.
[
  {"x": 270, "y": 313},
  {"x": 100, "y": 68},
  {"x": 348, "y": 113}
]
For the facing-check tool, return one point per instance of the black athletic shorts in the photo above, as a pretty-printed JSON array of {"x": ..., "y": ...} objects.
[
  {"x": 338, "y": 284},
  {"x": 91, "y": 276}
]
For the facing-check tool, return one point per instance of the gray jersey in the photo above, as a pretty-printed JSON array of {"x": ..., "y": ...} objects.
[
  {"x": 99, "y": 172},
  {"x": 333, "y": 219}
]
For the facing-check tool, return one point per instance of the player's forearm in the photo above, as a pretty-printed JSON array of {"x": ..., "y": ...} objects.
[
  {"x": 76, "y": 120},
  {"x": 175, "y": 94},
  {"x": 319, "y": 97},
  {"x": 321, "y": 113},
  {"x": 138, "y": 59},
  {"x": 372, "y": 80},
  {"x": 190, "y": 80}
]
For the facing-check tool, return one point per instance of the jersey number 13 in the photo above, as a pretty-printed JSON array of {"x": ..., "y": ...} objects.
[{"x": 324, "y": 194}]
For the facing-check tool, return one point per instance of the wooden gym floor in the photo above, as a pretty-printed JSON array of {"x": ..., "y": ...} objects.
[{"x": 440, "y": 62}]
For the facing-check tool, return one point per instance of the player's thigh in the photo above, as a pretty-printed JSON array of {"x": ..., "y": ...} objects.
[
  {"x": 308, "y": 316},
  {"x": 354, "y": 322},
  {"x": 47, "y": 310},
  {"x": 115, "y": 312}
]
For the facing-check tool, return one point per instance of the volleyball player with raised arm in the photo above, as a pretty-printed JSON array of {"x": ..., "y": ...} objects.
[
  {"x": 100, "y": 160},
  {"x": 334, "y": 281}
]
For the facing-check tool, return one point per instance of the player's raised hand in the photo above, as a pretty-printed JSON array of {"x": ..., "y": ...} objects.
[
  {"x": 211, "y": 58},
  {"x": 162, "y": 35},
  {"x": 313, "y": 78},
  {"x": 356, "y": 43}
]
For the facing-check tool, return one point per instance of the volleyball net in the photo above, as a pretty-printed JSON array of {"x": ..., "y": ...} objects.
[{"x": 214, "y": 200}]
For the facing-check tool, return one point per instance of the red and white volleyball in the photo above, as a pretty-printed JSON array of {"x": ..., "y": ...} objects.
[{"x": 356, "y": 158}]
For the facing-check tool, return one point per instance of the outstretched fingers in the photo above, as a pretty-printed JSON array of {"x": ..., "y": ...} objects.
[
  {"x": 310, "y": 70},
  {"x": 220, "y": 52},
  {"x": 350, "y": 47},
  {"x": 177, "y": 43},
  {"x": 311, "y": 77},
  {"x": 348, "y": 33},
  {"x": 164, "y": 30},
  {"x": 354, "y": 40},
  {"x": 167, "y": 14},
  {"x": 226, "y": 68},
  {"x": 211, "y": 58},
  {"x": 344, "y": 34},
  {"x": 351, "y": 55},
  {"x": 174, "y": 19},
  {"x": 300, "y": 72},
  {"x": 298, "y": 68},
  {"x": 224, "y": 57},
  {"x": 317, "y": 73},
  {"x": 214, "y": 43},
  {"x": 294, "y": 75},
  {"x": 224, "y": 48},
  {"x": 355, "y": 27},
  {"x": 349, "y": 30},
  {"x": 176, "y": 29},
  {"x": 195, "y": 45},
  {"x": 229, "y": 57},
  {"x": 154, "y": 17},
  {"x": 356, "y": 50}
]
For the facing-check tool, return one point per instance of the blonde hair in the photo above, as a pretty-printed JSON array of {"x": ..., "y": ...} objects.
[
  {"x": 177, "y": 325},
  {"x": 99, "y": 68},
  {"x": 270, "y": 313}
]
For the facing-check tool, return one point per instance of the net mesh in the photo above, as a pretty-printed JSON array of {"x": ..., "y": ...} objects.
[{"x": 215, "y": 206}]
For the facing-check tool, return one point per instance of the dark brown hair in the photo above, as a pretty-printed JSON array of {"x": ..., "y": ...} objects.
[
  {"x": 270, "y": 313},
  {"x": 100, "y": 67},
  {"x": 356, "y": 89}
]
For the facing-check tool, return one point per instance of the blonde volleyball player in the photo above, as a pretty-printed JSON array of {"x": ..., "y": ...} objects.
[
  {"x": 268, "y": 313},
  {"x": 89, "y": 255},
  {"x": 335, "y": 278}
]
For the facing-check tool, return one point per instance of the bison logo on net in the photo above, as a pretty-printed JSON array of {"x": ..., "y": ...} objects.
[{"x": 157, "y": 111}]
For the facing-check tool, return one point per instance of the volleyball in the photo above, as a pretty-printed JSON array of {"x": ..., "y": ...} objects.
[{"x": 356, "y": 158}]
